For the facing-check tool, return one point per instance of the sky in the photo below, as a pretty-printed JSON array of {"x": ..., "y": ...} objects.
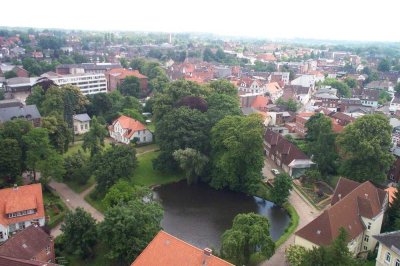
[{"x": 368, "y": 20}]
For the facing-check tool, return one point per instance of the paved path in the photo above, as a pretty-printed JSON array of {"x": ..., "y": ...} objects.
[
  {"x": 73, "y": 201},
  {"x": 307, "y": 213}
]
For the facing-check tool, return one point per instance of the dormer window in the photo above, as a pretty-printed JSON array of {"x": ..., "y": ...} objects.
[{"x": 21, "y": 213}]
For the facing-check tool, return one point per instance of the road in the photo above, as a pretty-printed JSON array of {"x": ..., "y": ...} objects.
[
  {"x": 73, "y": 200},
  {"x": 306, "y": 212}
]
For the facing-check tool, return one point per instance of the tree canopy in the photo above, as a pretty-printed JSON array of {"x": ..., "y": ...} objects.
[
  {"x": 281, "y": 190},
  {"x": 364, "y": 148},
  {"x": 248, "y": 236}
]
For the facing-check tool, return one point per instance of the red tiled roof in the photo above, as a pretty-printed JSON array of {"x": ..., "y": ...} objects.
[
  {"x": 8, "y": 261},
  {"x": 260, "y": 102},
  {"x": 128, "y": 123},
  {"x": 167, "y": 250},
  {"x": 19, "y": 199},
  {"x": 363, "y": 200},
  {"x": 391, "y": 191},
  {"x": 26, "y": 244}
]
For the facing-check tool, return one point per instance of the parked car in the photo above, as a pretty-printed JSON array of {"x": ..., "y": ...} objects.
[{"x": 275, "y": 171}]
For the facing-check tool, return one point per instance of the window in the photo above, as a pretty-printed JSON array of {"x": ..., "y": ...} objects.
[
  {"x": 397, "y": 263},
  {"x": 21, "y": 225},
  {"x": 86, "y": 126},
  {"x": 388, "y": 257},
  {"x": 12, "y": 228},
  {"x": 81, "y": 127},
  {"x": 1, "y": 235},
  {"x": 369, "y": 226},
  {"x": 365, "y": 248},
  {"x": 75, "y": 128},
  {"x": 366, "y": 238}
]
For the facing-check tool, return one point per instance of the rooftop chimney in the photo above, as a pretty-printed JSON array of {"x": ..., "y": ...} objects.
[
  {"x": 15, "y": 187},
  {"x": 366, "y": 195},
  {"x": 340, "y": 196},
  {"x": 206, "y": 254}
]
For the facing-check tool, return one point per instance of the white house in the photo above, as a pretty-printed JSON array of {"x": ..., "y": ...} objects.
[
  {"x": 20, "y": 207},
  {"x": 358, "y": 208},
  {"x": 389, "y": 249},
  {"x": 126, "y": 129},
  {"x": 81, "y": 123}
]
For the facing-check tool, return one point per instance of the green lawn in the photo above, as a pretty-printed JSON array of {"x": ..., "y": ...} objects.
[
  {"x": 95, "y": 201},
  {"x": 145, "y": 175},
  {"x": 77, "y": 145}
]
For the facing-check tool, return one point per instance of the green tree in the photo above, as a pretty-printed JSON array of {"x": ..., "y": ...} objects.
[
  {"x": 77, "y": 168},
  {"x": 342, "y": 88},
  {"x": 130, "y": 86},
  {"x": 221, "y": 105},
  {"x": 51, "y": 167},
  {"x": 364, "y": 146},
  {"x": 231, "y": 139},
  {"x": 79, "y": 233},
  {"x": 59, "y": 133},
  {"x": 192, "y": 162},
  {"x": 36, "y": 97},
  {"x": 281, "y": 190},
  {"x": 397, "y": 88},
  {"x": 109, "y": 166},
  {"x": 290, "y": 105},
  {"x": 295, "y": 255},
  {"x": 94, "y": 139},
  {"x": 249, "y": 235},
  {"x": 10, "y": 160},
  {"x": 127, "y": 229},
  {"x": 179, "y": 129},
  {"x": 352, "y": 83},
  {"x": 10, "y": 74},
  {"x": 321, "y": 143},
  {"x": 133, "y": 113},
  {"x": 384, "y": 65},
  {"x": 208, "y": 55},
  {"x": 224, "y": 87},
  {"x": 123, "y": 192}
]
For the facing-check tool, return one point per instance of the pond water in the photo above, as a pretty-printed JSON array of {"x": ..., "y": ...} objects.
[{"x": 199, "y": 214}]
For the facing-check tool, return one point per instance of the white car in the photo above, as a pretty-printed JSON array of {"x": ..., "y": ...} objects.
[{"x": 275, "y": 171}]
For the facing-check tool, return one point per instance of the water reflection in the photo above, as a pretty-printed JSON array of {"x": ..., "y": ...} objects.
[{"x": 199, "y": 214}]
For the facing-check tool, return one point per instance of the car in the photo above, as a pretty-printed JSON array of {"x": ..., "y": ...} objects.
[{"x": 275, "y": 171}]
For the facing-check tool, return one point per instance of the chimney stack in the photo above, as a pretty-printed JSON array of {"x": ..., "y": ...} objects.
[
  {"x": 340, "y": 196},
  {"x": 206, "y": 254},
  {"x": 15, "y": 187}
]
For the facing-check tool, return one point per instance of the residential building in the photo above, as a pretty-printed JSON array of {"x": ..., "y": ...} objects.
[
  {"x": 28, "y": 112},
  {"x": 328, "y": 101},
  {"x": 394, "y": 172},
  {"x": 255, "y": 101},
  {"x": 168, "y": 250},
  {"x": 116, "y": 76},
  {"x": 285, "y": 154},
  {"x": 391, "y": 194},
  {"x": 380, "y": 85},
  {"x": 10, "y": 103},
  {"x": 21, "y": 206},
  {"x": 31, "y": 243},
  {"x": 280, "y": 76},
  {"x": 356, "y": 207},
  {"x": 395, "y": 103},
  {"x": 342, "y": 119},
  {"x": 10, "y": 261},
  {"x": 306, "y": 81},
  {"x": 301, "y": 120},
  {"x": 389, "y": 249},
  {"x": 249, "y": 85},
  {"x": 274, "y": 90},
  {"x": 125, "y": 129},
  {"x": 87, "y": 83},
  {"x": 81, "y": 123},
  {"x": 19, "y": 88},
  {"x": 368, "y": 97}
]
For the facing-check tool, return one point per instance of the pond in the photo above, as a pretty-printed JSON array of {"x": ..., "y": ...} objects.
[{"x": 199, "y": 214}]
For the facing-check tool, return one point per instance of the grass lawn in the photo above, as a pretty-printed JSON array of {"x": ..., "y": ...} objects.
[
  {"x": 78, "y": 188},
  {"x": 54, "y": 208},
  {"x": 145, "y": 175},
  {"x": 96, "y": 202},
  {"x": 98, "y": 260},
  {"x": 77, "y": 145}
]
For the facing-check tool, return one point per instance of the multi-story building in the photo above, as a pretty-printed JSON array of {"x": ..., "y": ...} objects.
[
  {"x": 87, "y": 83},
  {"x": 20, "y": 207},
  {"x": 125, "y": 129},
  {"x": 358, "y": 208},
  {"x": 389, "y": 249}
]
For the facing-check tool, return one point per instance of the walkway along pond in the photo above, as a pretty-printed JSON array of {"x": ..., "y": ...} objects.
[{"x": 199, "y": 214}]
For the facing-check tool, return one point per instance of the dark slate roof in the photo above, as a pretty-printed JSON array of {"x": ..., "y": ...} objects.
[
  {"x": 90, "y": 66},
  {"x": 26, "y": 244},
  {"x": 10, "y": 103},
  {"x": 29, "y": 112},
  {"x": 82, "y": 117},
  {"x": 390, "y": 240}
]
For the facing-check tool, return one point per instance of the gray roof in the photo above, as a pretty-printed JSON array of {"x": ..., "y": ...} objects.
[
  {"x": 249, "y": 110},
  {"x": 390, "y": 240},
  {"x": 28, "y": 112},
  {"x": 82, "y": 117},
  {"x": 10, "y": 103}
]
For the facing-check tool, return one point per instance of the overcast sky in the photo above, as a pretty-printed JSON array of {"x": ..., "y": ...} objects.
[{"x": 371, "y": 20}]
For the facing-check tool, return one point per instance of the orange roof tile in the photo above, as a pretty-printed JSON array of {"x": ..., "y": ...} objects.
[
  {"x": 128, "y": 123},
  {"x": 20, "y": 199},
  {"x": 260, "y": 102},
  {"x": 391, "y": 191},
  {"x": 167, "y": 250}
]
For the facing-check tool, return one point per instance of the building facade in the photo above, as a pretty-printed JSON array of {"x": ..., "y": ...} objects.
[
  {"x": 87, "y": 83},
  {"x": 126, "y": 129}
]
